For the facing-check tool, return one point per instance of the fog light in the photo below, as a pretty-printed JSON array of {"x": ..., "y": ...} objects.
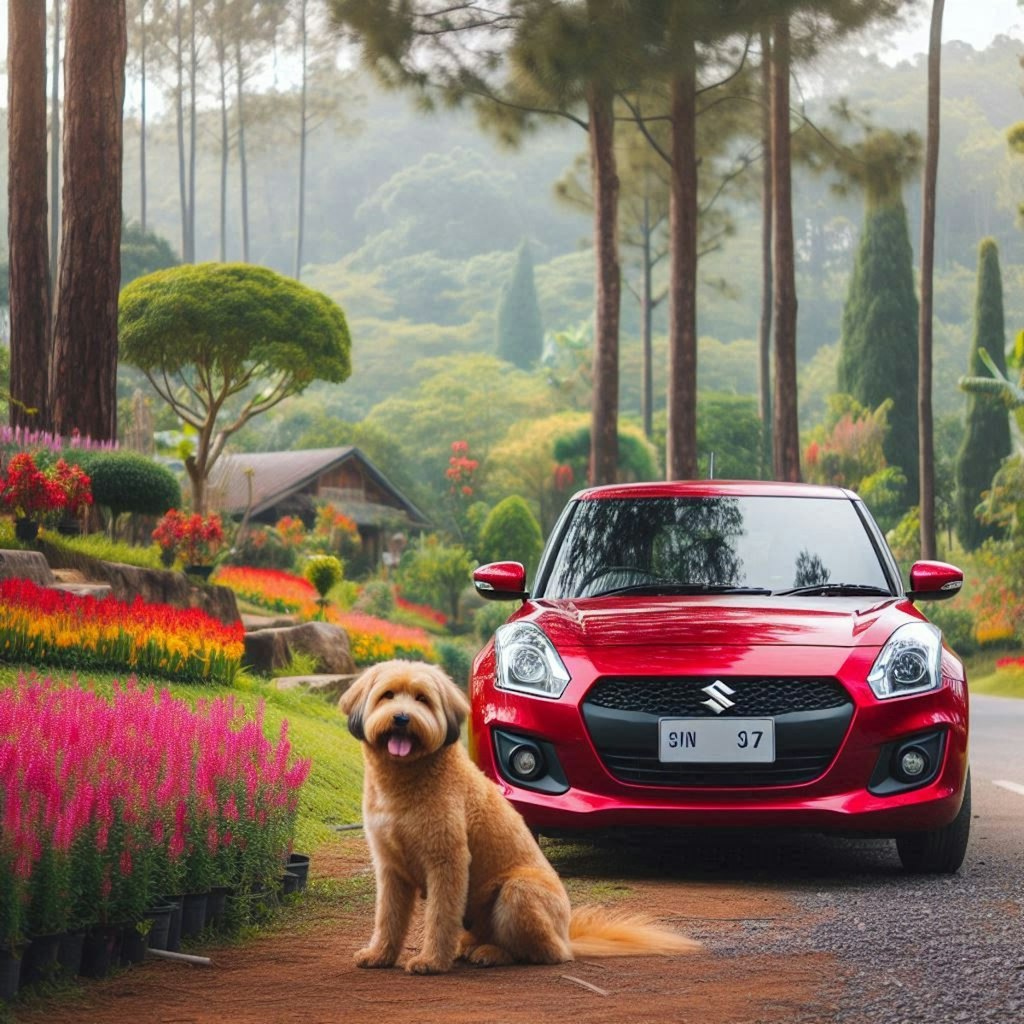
[
  {"x": 526, "y": 761},
  {"x": 913, "y": 762}
]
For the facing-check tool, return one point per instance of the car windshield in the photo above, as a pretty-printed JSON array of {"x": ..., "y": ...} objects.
[{"x": 687, "y": 545}]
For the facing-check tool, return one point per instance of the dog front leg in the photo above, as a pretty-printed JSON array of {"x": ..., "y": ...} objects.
[
  {"x": 395, "y": 899},
  {"x": 447, "y": 889}
]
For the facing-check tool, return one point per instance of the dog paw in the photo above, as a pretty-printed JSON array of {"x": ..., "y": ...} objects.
[
  {"x": 371, "y": 957},
  {"x": 428, "y": 965},
  {"x": 489, "y": 956}
]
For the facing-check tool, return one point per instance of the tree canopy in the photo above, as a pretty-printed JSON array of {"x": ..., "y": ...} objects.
[{"x": 223, "y": 342}]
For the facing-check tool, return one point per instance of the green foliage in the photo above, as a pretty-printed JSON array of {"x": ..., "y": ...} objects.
[
  {"x": 324, "y": 572},
  {"x": 878, "y": 353},
  {"x": 729, "y": 426},
  {"x": 637, "y": 458},
  {"x": 436, "y": 573},
  {"x": 904, "y": 539},
  {"x": 512, "y": 533},
  {"x": 78, "y": 552},
  {"x": 520, "y": 333},
  {"x": 456, "y": 659},
  {"x": 377, "y": 599},
  {"x": 125, "y": 481},
  {"x": 957, "y": 624},
  {"x": 142, "y": 252},
  {"x": 986, "y": 439},
  {"x": 848, "y": 447},
  {"x": 882, "y": 492},
  {"x": 489, "y": 617}
]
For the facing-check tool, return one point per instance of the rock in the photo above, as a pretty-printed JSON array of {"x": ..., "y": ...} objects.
[
  {"x": 161, "y": 586},
  {"x": 332, "y": 686},
  {"x": 26, "y": 565},
  {"x": 270, "y": 649}
]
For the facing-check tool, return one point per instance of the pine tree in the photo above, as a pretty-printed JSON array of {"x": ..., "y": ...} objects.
[
  {"x": 987, "y": 428},
  {"x": 878, "y": 356},
  {"x": 520, "y": 332}
]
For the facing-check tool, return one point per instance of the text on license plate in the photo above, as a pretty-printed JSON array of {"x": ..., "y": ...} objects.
[{"x": 732, "y": 740}]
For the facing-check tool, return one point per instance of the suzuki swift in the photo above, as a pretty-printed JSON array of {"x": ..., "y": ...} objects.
[{"x": 714, "y": 653}]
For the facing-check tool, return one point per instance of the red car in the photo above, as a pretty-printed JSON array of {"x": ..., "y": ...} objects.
[{"x": 718, "y": 653}]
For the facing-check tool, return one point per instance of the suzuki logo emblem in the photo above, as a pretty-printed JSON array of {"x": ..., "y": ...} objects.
[{"x": 719, "y": 694}]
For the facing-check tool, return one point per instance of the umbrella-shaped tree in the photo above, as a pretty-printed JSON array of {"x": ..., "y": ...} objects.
[{"x": 223, "y": 342}]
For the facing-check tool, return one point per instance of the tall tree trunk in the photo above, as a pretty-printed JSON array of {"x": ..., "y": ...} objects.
[
  {"x": 646, "y": 321},
  {"x": 187, "y": 253},
  {"x": 786, "y": 427},
  {"x": 28, "y": 253},
  {"x": 83, "y": 371},
  {"x": 142, "y": 122},
  {"x": 764, "y": 334},
  {"x": 681, "y": 440},
  {"x": 193, "y": 66},
  {"x": 55, "y": 145},
  {"x": 225, "y": 135},
  {"x": 243, "y": 166},
  {"x": 604, "y": 429},
  {"x": 926, "y": 449},
  {"x": 301, "y": 216}
]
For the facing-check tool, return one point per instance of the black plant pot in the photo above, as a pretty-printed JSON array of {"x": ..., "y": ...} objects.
[
  {"x": 201, "y": 571},
  {"x": 193, "y": 914},
  {"x": 160, "y": 924},
  {"x": 39, "y": 961},
  {"x": 100, "y": 951},
  {"x": 174, "y": 927},
  {"x": 26, "y": 529},
  {"x": 134, "y": 943},
  {"x": 69, "y": 527},
  {"x": 298, "y": 864},
  {"x": 216, "y": 903},
  {"x": 69, "y": 952},
  {"x": 289, "y": 883},
  {"x": 10, "y": 973}
]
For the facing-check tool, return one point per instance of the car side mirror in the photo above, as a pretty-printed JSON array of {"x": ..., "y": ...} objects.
[
  {"x": 501, "y": 581},
  {"x": 934, "y": 581}
]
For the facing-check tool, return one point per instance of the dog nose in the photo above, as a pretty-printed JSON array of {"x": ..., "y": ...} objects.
[{"x": 401, "y": 718}]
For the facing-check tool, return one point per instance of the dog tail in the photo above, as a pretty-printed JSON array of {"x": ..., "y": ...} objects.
[{"x": 595, "y": 931}]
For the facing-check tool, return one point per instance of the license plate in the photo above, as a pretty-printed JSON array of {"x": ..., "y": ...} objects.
[{"x": 730, "y": 740}]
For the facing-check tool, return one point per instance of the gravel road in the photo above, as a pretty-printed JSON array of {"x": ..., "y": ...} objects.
[{"x": 919, "y": 949}]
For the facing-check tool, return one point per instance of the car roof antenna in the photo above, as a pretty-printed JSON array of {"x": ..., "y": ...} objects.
[{"x": 711, "y": 466}]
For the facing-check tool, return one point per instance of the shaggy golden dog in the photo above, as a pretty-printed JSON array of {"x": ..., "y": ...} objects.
[{"x": 437, "y": 825}]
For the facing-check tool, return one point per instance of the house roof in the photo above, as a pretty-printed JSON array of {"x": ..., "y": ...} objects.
[{"x": 275, "y": 476}]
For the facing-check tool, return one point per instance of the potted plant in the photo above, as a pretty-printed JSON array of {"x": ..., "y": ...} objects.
[
  {"x": 76, "y": 486},
  {"x": 28, "y": 493},
  {"x": 196, "y": 538}
]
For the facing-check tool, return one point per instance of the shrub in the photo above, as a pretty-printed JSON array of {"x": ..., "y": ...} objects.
[
  {"x": 456, "y": 659},
  {"x": 512, "y": 532},
  {"x": 489, "y": 617},
  {"x": 434, "y": 572},
  {"x": 957, "y": 625},
  {"x": 262, "y": 548},
  {"x": 377, "y": 598},
  {"x": 124, "y": 481},
  {"x": 324, "y": 572}
]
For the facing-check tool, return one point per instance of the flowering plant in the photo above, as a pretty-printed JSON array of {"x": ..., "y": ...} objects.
[
  {"x": 27, "y": 491},
  {"x": 198, "y": 538},
  {"x": 76, "y": 486}
]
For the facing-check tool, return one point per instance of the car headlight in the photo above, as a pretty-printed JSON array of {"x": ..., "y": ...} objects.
[
  {"x": 528, "y": 662},
  {"x": 909, "y": 662}
]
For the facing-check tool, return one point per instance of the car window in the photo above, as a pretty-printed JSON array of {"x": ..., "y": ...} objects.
[{"x": 776, "y": 543}]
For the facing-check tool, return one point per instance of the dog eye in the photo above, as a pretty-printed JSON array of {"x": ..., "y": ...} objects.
[
  {"x": 387, "y": 695},
  {"x": 422, "y": 699}
]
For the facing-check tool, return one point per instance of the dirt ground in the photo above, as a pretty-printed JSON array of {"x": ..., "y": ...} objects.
[{"x": 301, "y": 970}]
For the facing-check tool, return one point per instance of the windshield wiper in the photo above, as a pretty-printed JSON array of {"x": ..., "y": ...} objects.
[
  {"x": 682, "y": 588},
  {"x": 837, "y": 590}
]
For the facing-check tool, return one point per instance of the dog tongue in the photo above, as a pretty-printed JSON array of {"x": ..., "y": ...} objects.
[{"x": 399, "y": 746}]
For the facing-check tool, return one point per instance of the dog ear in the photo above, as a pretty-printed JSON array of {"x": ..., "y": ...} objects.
[
  {"x": 456, "y": 708},
  {"x": 351, "y": 702}
]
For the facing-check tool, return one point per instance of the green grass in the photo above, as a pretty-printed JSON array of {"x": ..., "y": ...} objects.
[
  {"x": 83, "y": 551},
  {"x": 317, "y": 730},
  {"x": 982, "y": 676}
]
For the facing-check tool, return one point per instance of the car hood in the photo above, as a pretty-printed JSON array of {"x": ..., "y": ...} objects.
[{"x": 721, "y": 621}]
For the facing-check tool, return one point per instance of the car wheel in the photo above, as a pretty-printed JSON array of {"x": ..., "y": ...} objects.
[{"x": 942, "y": 850}]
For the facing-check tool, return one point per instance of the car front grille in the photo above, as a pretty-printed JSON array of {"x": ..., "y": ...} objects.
[
  {"x": 754, "y": 697},
  {"x": 811, "y": 717}
]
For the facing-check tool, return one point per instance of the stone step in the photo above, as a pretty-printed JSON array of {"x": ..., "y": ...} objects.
[{"x": 97, "y": 590}]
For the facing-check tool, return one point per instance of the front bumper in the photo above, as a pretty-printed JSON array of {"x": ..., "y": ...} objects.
[{"x": 838, "y": 799}]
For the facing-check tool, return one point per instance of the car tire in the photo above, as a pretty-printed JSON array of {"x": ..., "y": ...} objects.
[{"x": 940, "y": 852}]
